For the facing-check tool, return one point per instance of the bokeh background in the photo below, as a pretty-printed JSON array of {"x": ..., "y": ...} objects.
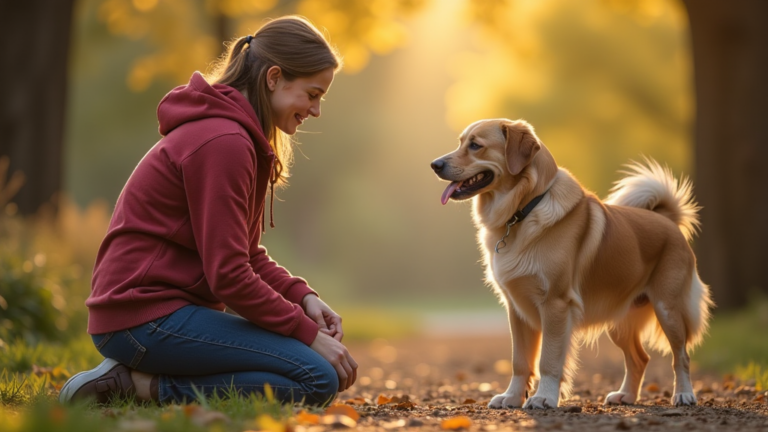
[{"x": 604, "y": 82}]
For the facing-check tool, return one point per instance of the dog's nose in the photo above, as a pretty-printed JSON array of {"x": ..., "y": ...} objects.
[{"x": 438, "y": 165}]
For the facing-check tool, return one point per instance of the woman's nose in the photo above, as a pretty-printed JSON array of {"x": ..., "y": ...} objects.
[{"x": 314, "y": 110}]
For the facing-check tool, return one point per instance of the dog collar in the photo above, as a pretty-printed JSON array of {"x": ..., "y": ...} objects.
[{"x": 518, "y": 217}]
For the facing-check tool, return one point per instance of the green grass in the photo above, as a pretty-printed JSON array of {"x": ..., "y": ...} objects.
[
  {"x": 31, "y": 375},
  {"x": 736, "y": 339}
]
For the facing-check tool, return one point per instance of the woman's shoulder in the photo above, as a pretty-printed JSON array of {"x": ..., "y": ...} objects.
[{"x": 226, "y": 135}]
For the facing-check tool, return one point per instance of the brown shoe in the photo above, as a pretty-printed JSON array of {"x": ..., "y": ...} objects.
[{"x": 108, "y": 380}]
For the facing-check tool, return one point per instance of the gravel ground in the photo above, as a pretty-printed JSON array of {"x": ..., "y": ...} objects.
[{"x": 437, "y": 383}]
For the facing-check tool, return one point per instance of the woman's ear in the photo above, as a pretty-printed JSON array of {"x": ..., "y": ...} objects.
[{"x": 273, "y": 77}]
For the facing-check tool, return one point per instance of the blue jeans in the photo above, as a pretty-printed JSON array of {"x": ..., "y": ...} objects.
[{"x": 197, "y": 347}]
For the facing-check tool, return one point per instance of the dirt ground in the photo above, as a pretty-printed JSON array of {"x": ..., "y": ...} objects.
[{"x": 437, "y": 383}]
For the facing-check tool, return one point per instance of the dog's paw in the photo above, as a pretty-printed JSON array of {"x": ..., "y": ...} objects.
[
  {"x": 540, "y": 402},
  {"x": 506, "y": 400},
  {"x": 684, "y": 399},
  {"x": 619, "y": 398}
]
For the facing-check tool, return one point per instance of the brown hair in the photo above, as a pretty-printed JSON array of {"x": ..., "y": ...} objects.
[{"x": 296, "y": 46}]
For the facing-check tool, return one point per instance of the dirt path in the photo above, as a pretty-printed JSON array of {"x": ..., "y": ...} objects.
[{"x": 436, "y": 379}]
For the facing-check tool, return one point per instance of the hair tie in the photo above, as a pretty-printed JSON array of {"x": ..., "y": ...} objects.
[{"x": 248, "y": 39}]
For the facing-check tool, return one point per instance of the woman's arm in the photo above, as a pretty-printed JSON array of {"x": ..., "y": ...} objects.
[
  {"x": 218, "y": 179},
  {"x": 291, "y": 287}
]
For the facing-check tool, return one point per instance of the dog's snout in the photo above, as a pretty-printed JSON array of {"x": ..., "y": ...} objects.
[{"x": 438, "y": 165}]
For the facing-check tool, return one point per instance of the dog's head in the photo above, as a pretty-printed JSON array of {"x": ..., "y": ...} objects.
[{"x": 490, "y": 153}]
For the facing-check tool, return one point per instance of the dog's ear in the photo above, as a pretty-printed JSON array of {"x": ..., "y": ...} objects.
[{"x": 522, "y": 146}]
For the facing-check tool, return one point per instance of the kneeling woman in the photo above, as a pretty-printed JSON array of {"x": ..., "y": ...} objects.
[{"x": 183, "y": 242}]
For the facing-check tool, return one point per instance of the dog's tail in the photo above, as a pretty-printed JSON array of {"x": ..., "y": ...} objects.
[{"x": 653, "y": 187}]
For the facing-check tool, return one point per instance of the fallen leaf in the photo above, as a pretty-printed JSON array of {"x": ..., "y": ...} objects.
[
  {"x": 356, "y": 401},
  {"x": 396, "y": 424},
  {"x": 267, "y": 423},
  {"x": 190, "y": 409},
  {"x": 304, "y": 417},
  {"x": 59, "y": 372},
  {"x": 454, "y": 423},
  {"x": 345, "y": 410},
  {"x": 383, "y": 400},
  {"x": 468, "y": 401},
  {"x": 653, "y": 388},
  {"x": 408, "y": 405},
  {"x": 338, "y": 420}
]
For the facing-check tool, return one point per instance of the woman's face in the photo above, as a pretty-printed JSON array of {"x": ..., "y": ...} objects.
[{"x": 294, "y": 101}]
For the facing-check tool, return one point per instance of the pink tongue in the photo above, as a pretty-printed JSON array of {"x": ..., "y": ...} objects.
[{"x": 449, "y": 191}]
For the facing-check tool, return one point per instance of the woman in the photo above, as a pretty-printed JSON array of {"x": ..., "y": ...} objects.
[{"x": 183, "y": 242}]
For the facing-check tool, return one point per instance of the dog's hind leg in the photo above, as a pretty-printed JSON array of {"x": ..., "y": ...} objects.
[
  {"x": 670, "y": 312},
  {"x": 626, "y": 335},
  {"x": 526, "y": 342}
]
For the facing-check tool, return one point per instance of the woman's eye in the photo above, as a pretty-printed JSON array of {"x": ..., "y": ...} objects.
[
  {"x": 474, "y": 146},
  {"x": 313, "y": 96}
]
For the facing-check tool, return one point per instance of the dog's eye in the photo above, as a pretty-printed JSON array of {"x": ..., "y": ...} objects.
[{"x": 474, "y": 146}]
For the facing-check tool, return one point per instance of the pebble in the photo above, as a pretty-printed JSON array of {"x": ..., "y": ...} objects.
[
  {"x": 571, "y": 409},
  {"x": 414, "y": 422}
]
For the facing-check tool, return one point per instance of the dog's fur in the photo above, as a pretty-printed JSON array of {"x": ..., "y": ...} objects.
[{"x": 578, "y": 266}]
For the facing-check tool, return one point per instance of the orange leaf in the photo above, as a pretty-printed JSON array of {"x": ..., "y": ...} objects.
[
  {"x": 468, "y": 401},
  {"x": 345, "y": 410},
  {"x": 304, "y": 417},
  {"x": 337, "y": 420},
  {"x": 454, "y": 423},
  {"x": 356, "y": 401},
  {"x": 383, "y": 400},
  {"x": 408, "y": 405},
  {"x": 59, "y": 372},
  {"x": 190, "y": 410},
  {"x": 653, "y": 387}
]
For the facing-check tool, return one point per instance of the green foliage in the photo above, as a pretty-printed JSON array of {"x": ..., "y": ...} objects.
[
  {"x": 32, "y": 303},
  {"x": 735, "y": 339},
  {"x": 756, "y": 372}
]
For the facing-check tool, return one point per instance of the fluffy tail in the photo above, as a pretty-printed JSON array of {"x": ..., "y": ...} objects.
[{"x": 653, "y": 187}]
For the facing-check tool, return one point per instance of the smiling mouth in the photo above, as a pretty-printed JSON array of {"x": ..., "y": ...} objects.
[
  {"x": 299, "y": 118},
  {"x": 461, "y": 190}
]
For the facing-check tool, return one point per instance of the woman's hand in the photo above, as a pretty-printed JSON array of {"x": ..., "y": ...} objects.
[
  {"x": 328, "y": 320},
  {"x": 338, "y": 356}
]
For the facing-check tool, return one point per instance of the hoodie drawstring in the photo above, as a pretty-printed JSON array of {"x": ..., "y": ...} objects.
[{"x": 273, "y": 178}]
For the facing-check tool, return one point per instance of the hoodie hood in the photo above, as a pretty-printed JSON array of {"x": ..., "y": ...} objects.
[{"x": 199, "y": 100}]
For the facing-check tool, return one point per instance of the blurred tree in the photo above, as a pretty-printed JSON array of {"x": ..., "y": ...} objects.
[
  {"x": 187, "y": 35},
  {"x": 730, "y": 53},
  {"x": 34, "y": 46}
]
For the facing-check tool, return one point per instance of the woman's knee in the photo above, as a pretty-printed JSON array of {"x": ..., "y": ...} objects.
[{"x": 325, "y": 384}]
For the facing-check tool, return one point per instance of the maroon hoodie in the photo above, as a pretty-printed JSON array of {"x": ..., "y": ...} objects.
[{"x": 187, "y": 225}]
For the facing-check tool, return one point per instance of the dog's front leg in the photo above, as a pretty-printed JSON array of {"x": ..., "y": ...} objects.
[
  {"x": 525, "y": 347},
  {"x": 556, "y": 340}
]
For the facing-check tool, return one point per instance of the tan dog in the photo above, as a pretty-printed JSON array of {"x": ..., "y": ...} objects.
[{"x": 567, "y": 265}]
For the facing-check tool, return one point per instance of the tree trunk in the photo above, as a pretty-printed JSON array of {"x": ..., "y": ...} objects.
[
  {"x": 34, "y": 46},
  {"x": 730, "y": 53}
]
